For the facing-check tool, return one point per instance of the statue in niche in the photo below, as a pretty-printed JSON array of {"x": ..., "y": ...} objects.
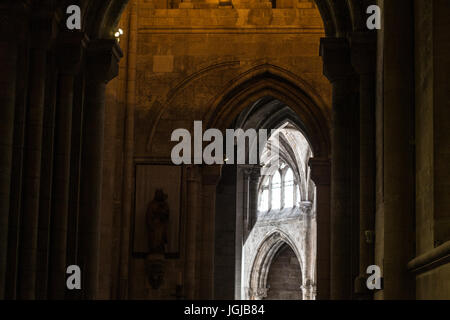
[{"x": 157, "y": 219}]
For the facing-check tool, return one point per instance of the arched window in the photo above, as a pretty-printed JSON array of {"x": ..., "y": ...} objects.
[
  {"x": 264, "y": 201},
  {"x": 276, "y": 191},
  {"x": 288, "y": 184}
]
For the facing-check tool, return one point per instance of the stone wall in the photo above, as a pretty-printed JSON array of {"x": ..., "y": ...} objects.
[{"x": 432, "y": 150}]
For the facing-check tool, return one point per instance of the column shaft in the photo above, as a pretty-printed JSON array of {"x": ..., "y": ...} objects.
[
  {"x": 32, "y": 172},
  {"x": 340, "y": 192},
  {"x": 210, "y": 178},
  {"x": 61, "y": 181},
  {"x": 254, "y": 174},
  {"x": 91, "y": 182},
  {"x": 367, "y": 174},
  {"x": 128, "y": 183},
  {"x": 337, "y": 68},
  {"x": 8, "y": 62},
  {"x": 13, "y": 32},
  {"x": 102, "y": 61},
  {"x": 70, "y": 51},
  {"x": 364, "y": 61},
  {"x": 320, "y": 174},
  {"x": 193, "y": 189},
  {"x": 395, "y": 238}
]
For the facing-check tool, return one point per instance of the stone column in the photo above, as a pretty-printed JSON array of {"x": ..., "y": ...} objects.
[
  {"x": 245, "y": 202},
  {"x": 192, "y": 231},
  {"x": 102, "y": 65},
  {"x": 128, "y": 180},
  {"x": 252, "y": 176},
  {"x": 210, "y": 178},
  {"x": 70, "y": 53},
  {"x": 13, "y": 31},
  {"x": 395, "y": 234},
  {"x": 320, "y": 174},
  {"x": 308, "y": 214},
  {"x": 337, "y": 68},
  {"x": 364, "y": 61},
  {"x": 44, "y": 29},
  {"x": 307, "y": 290}
]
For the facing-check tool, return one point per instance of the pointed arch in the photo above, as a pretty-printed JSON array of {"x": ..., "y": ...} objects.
[
  {"x": 269, "y": 80},
  {"x": 263, "y": 259}
]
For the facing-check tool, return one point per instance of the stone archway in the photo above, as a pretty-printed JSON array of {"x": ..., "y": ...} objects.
[
  {"x": 302, "y": 107},
  {"x": 284, "y": 276},
  {"x": 340, "y": 18},
  {"x": 257, "y": 288}
]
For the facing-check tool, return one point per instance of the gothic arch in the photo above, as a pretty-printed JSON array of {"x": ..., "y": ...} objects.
[
  {"x": 266, "y": 253},
  {"x": 271, "y": 81},
  {"x": 288, "y": 155}
]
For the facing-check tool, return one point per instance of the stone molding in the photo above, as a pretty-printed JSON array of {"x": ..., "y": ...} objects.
[{"x": 431, "y": 259}]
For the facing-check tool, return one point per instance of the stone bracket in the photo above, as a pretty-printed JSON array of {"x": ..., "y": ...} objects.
[
  {"x": 103, "y": 57},
  {"x": 335, "y": 53},
  {"x": 320, "y": 170}
]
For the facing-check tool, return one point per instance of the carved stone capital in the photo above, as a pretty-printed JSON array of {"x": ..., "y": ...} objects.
[
  {"x": 257, "y": 294},
  {"x": 306, "y": 208},
  {"x": 252, "y": 172},
  {"x": 320, "y": 170},
  {"x": 261, "y": 293},
  {"x": 335, "y": 53},
  {"x": 103, "y": 57}
]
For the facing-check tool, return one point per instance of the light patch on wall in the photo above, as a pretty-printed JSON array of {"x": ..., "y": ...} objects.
[{"x": 162, "y": 64}]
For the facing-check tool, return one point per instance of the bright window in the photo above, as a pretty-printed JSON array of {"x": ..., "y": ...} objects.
[
  {"x": 276, "y": 191},
  {"x": 289, "y": 189}
]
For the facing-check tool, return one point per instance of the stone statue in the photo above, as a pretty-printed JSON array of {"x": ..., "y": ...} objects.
[{"x": 157, "y": 219}]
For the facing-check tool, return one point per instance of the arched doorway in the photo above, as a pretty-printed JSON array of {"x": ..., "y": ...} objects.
[
  {"x": 270, "y": 197},
  {"x": 285, "y": 276}
]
